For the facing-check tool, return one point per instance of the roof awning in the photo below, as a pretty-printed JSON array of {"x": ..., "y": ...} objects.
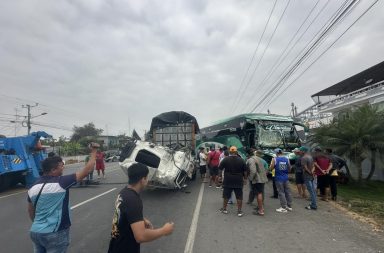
[{"x": 361, "y": 80}]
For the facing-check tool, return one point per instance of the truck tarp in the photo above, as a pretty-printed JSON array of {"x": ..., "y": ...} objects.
[{"x": 173, "y": 118}]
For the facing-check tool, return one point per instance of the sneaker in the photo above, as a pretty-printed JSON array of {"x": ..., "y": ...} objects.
[
  {"x": 98, "y": 177},
  {"x": 310, "y": 208},
  {"x": 224, "y": 211},
  {"x": 288, "y": 208},
  {"x": 281, "y": 210},
  {"x": 230, "y": 202},
  {"x": 260, "y": 213},
  {"x": 240, "y": 213},
  {"x": 218, "y": 187}
]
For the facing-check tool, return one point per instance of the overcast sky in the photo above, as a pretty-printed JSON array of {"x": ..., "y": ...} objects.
[{"x": 119, "y": 61}]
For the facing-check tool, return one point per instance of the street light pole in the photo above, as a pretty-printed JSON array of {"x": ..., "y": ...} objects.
[{"x": 29, "y": 116}]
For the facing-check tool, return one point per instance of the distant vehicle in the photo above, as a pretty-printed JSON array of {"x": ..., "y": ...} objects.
[
  {"x": 20, "y": 159},
  {"x": 111, "y": 155},
  {"x": 262, "y": 131}
]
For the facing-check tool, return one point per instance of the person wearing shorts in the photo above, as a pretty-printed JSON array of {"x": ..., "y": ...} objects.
[
  {"x": 257, "y": 178},
  {"x": 213, "y": 164},
  {"x": 202, "y": 164},
  {"x": 235, "y": 175}
]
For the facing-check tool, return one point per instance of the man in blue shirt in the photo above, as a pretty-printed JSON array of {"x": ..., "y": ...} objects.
[
  {"x": 282, "y": 167},
  {"x": 48, "y": 204}
]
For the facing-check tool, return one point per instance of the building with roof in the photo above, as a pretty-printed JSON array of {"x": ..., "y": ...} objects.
[{"x": 366, "y": 87}]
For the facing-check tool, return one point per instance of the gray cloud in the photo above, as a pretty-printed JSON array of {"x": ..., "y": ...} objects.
[{"x": 110, "y": 61}]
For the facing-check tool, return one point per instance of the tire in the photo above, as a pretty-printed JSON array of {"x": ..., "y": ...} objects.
[{"x": 5, "y": 182}]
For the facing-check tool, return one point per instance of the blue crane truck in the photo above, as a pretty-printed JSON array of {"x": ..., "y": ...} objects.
[{"x": 20, "y": 159}]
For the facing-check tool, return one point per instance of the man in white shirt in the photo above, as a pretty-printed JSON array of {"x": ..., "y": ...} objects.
[{"x": 202, "y": 163}]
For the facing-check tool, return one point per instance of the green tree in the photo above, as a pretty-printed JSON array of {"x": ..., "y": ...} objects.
[
  {"x": 71, "y": 148},
  {"x": 85, "y": 131},
  {"x": 357, "y": 136}
]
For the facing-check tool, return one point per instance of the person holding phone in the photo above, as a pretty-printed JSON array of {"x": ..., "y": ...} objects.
[{"x": 48, "y": 203}]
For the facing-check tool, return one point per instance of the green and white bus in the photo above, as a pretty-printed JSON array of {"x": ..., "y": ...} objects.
[{"x": 262, "y": 131}]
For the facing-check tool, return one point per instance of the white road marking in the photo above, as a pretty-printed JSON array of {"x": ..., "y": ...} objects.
[
  {"x": 9, "y": 195},
  {"x": 195, "y": 219},
  {"x": 88, "y": 200}
]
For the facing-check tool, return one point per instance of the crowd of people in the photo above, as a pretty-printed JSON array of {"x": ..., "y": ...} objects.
[
  {"x": 315, "y": 174},
  {"x": 48, "y": 198}
]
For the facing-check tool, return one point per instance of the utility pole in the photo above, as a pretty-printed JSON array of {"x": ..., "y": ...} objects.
[{"x": 29, "y": 115}]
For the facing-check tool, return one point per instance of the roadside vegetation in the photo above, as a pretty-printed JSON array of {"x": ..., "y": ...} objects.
[
  {"x": 358, "y": 135},
  {"x": 366, "y": 199}
]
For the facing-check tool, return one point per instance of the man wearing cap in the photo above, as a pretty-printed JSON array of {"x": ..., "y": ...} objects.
[
  {"x": 129, "y": 227},
  {"x": 299, "y": 177},
  {"x": 282, "y": 167},
  {"x": 235, "y": 175},
  {"x": 308, "y": 167}
]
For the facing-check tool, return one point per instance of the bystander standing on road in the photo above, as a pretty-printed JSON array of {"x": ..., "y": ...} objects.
[
  {"x": 100, "y": 166},
  {"x": 235, "y": 175},
  {"x": 308, "y": 168},
  {"x": 48, "y": 205},
  {"x": 275, "y": 192},
  {"x": 213, "y": 165},
  {"x": 337, "y": 164},
  {"x": 299, "y": 177},
  {"x": 323, "y": 165},
  {"x": 129, "y": 227},
  {"x": 282, "y": 167},
  {"x": 257, "y": 179},
  {"x": 202, "y": 164}
]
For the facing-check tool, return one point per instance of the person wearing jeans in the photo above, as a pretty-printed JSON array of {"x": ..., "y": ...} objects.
[
  {"x": 308, "y": 166},
  {"x": 282, "y": 166}
]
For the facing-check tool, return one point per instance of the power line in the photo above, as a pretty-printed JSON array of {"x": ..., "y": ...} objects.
[
  {"x": 342, "y": 14},
  {"x": 281, "y": 59},
  {"x": 289, "y": 70},
  {"x": 312, "y": 46},
  {"x": 265, "y": 50},
  {"x": 341, "y": 35},
  {"x": 253, "y": 57}
]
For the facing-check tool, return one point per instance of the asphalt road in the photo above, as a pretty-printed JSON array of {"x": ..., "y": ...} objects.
[{"x": 325, "y": 230}]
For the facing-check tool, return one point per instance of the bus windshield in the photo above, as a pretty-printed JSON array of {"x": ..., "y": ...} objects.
[{"x": 277, "y": 134}]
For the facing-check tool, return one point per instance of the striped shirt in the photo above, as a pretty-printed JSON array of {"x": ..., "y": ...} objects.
[{"x": 52, "y": 213}]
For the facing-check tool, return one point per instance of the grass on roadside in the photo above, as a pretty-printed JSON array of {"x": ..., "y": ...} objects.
[{"x": 366, "y": 199}]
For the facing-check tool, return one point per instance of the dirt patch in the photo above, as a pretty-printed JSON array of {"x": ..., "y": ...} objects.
[{"x": 345, "y": 207}]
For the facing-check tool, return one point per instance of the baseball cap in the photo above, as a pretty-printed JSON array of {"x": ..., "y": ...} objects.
[
  {"x": 304, "y": 149},
  {"x": 296, "y": 150},
  {"x": 232, "y": 149},
  {"x": 278, "y": 150}
]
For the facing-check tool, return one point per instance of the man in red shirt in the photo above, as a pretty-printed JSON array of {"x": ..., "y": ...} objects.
[
  {"x": 323, "y": 164},
  {"x": 213, "y": 165}
]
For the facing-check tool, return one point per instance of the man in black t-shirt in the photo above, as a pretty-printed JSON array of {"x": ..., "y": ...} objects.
[
  {"x": 235, "y": 175},
  {"x": 129, "y": 227}
]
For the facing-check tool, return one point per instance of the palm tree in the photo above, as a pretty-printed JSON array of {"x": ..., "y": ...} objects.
[{"x": 357, "y": 136}]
